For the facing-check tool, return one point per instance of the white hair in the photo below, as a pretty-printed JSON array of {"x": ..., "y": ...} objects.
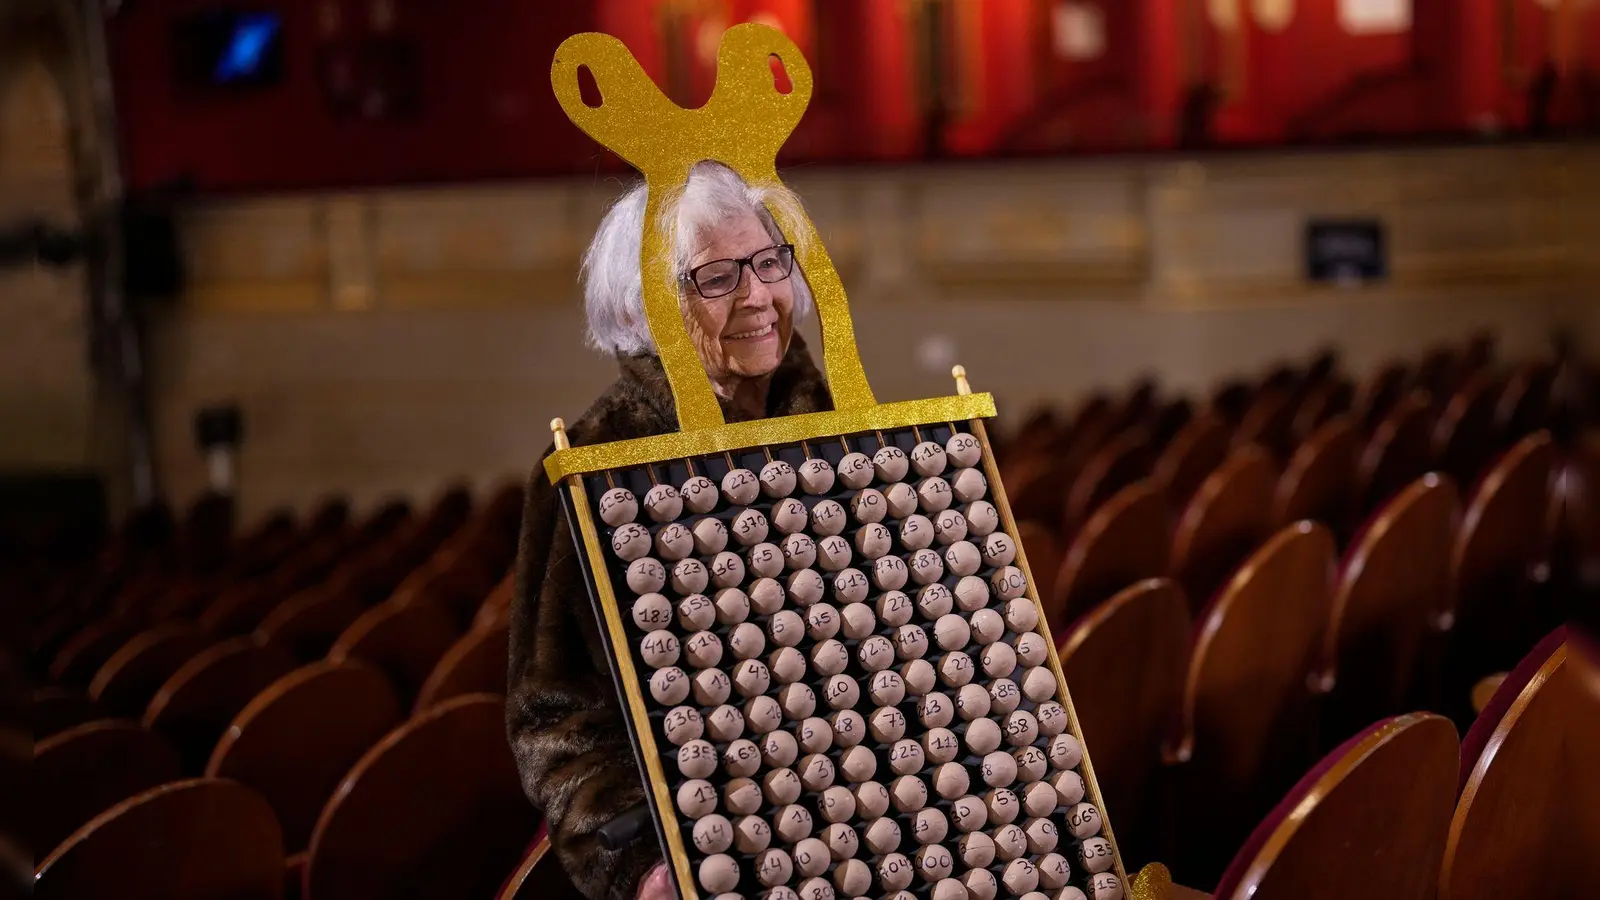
[{"x": 612, "y": 280}]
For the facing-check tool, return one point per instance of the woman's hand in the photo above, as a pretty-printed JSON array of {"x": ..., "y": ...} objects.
[{"x": 657, "y": 885}]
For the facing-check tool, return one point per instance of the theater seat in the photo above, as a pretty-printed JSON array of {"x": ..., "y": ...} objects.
[{"x": 83, "y": 771}]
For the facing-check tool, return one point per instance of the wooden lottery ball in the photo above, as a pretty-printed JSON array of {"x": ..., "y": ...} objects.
[
  {"x": 1053, "y": 871},
  {"x": 910, "y": 642},
  {"x": 869, "y": 506},
  {"x": 789, "y": 516},
  {"x": 751, "y": 834},
  {"x": 762, "y": 714},
  {"x": 940, "y": 745},
  {"x": 982, "y": 517},
  {"x": 751, "y": 678},
  {"x": 983, "y": 736},
  {"x": 833, "y": 553},
  {"x": 972, "y": 701},
  {"x": 683, "y": 724},
  {"x": 749, "y": 527},
  {"x": 1021, "y": 728},
  {"x": 976, "y": 848},
  {"x": 765, "y": 560},
  {"x": 669, "y": 685},
  {"x": 777, "y": 479},
  {"x": 742, "y": 758},
  {"x": 901, "y": 499},
  {"x": 739, "y": 487},
  {"x": 816, "y": 476},
  {"x": 674, "y": 541},
  {"x": 999, "y": 769},
  {"x": 1083, "y": 820},
  {"x": 886, "y": 724},
  {"x": 855, "y": 470},
  {"x": 929, "y": 826},
  {"x": 816, "y": 888},
  {"x": 1010, "y": 842},
  {"x": 906, "y": 758},
  {"x": 696, "y": 612},
  {"x": 872, "y": 799},
  {"x": 1030, "y": 646},
  {"x": 874, "y": 654},
  {"x": 928, "y": 458},
  {"x": 962, "y": 558},
  {"x": 724, "y": 724},
  {"x": 663, "y": 503},
  {"x": 781, "y": 787},
  {"x": 1070, "y": 893},
  {"x": 1038, "y": 684},
  {"x": 727, "y": 570},
  {"x": 1020, "y": 876},
  {"x": 805, "y": 587},
  {"x": 811, "y": 858},
  {"x": 950, "y": 780},
  {"x": 828, "y": 518},
  {"x": 829, "y": 657},
  {"x": 741, "y": 796},
  {"x": 849, "y": 727},
  {"x": 1065, "y": 752},
  {"x": 799, "y": 551},
  {"x": 850, "y": 586},
  {"x": 710, "y": 537},
  {"x": 998, "y": 660},
  {"x": 873, "y": 540},
  {"x": 1022, "y": 617},
  {"x": 916, "y": 532},
  {"x": 788, "y": 665},
  {"x": 822, "y": 621},
  {"x": 926, "y": 567},
  {"x": 889, "y": 573},
  {"x": 1004, "y": 696},
  {"x": 1042, "y": 836},
  {"x": 969, "y": 814},
  {"x": 894, "y": 608},
  {"x": 962, "y": 450},
  {"x": 936, "y": 710},
  {"x": 703, "y": 649},
  {"x": 766, "y": 595},
  {"x": 713, "y": 833},
  {"x": 747, "y": 640},
  {"x": 1008, "y": 582},
  {"x": 732, "y": 606},
  {"x": 882, "y": 835},
  {"x": 630, "y": 542},
  {"x": 773, "y": 867},
  {"x": 933, "y": 494},
  {"x": 887, "y": 688},
  {"x": 988, "y": 626},
  {"x": 781, "y": 892},
  {"x": 659, "y": 648},
  {"x": 949, "y": 526},
  {"x": 618, "y": 506},
  {"x": 972, "y": 593},
  {"x": 951, "y": 632},
  {"x": 934, "y": 862},
  {"x": 908, "y": 793},
  {"x": 858, "y": 764},
  {"x": 890, "y": 463},
  {"x": 652, "y": 611},
  {"x": 852, "y": 877},
  {"x": 895, "y": 871},
  {"x": 710, "y": 686},
  {"x": 786, "y": 628},
  {"x": 934, "y": 601},
  {"x": 1105, "y": 886},
  {"x": 696, "y": 798},
  {"x": 841, "y": 692},
  {"x": 918, "y": 676},
  {"x": 1052, "y": 718},
  {"x": 1032, "y": 765},
  {"x": 837, "y": 805},
  {"x": 816, "y": 735},
  {"x": 999, "y": 550},
  {"x": 699, "y": 494},
  {"x": 799, "y": 701},
  {"x": 1069, "y": 787},
  {"x": 980, "y": 884},
  {"x": 718, "y": 873},
  {"x": 646, "y": 576},
  {"x": 948, "y": 889},
  {"x": 969, "y": 485},
  {"x": 1095, "y": 854}
]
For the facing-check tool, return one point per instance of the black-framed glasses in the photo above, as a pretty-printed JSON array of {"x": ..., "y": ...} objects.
[{"x": 721, "y": 277}]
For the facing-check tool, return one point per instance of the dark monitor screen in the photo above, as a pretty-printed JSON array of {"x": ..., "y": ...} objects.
[{"x": 229, "y": 48}]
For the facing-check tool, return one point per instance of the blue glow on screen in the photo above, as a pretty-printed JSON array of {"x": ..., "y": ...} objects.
[{"x": 247, "y": 46}]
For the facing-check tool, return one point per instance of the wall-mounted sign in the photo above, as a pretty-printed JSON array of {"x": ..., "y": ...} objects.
[{"x": 1346, "y": 251}]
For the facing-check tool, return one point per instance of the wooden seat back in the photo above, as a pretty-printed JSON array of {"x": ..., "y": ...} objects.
[
  {"x": 1524, "y": 404},
  {"x": 1043, "y": 549},
  {"x": 539, "y": 875},
  {"x": 87, "y": 769},
  {"x": 1464, "y": 439},
  {"x": 474, "y": 664},
  {"x": 307, "y": 624},
  {"x": 83, "y": 654},
  {"x": 1399, "y": 452},
  {"x": 202, "y": 839},
  {"x": 1325, "y": 399},
  {"x": 1320, "y": 478},
  {"x": 55, "y": 709},
  {"x": 1124, "y": 542},
  {"x": 434, "y": 809},
  {"x": 1390, "y": 783},
  {"x": 239, "y": 609},
  {"x": 1379, "y": 393},
  {"x": 193, "y": 708},
  {"x": 403, "y": 640},
  {"x": 1123, "y": 460},
  {"x": 1196, "y": 451},
  {"x": 133, "y": 674},
  {"x": 297, "y": 739},
  {"x": 1269, "y": 423},
  {"x": 1229, "y": 517}
]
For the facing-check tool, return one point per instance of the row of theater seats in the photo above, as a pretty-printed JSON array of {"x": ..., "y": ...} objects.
[{"x": 1218, "y": 636}]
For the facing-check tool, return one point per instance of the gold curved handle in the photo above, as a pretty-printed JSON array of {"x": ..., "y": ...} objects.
[{"x": 743, "y": 126}]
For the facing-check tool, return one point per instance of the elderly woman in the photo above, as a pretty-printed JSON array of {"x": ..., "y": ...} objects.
[{"x": 740, "y": 296}]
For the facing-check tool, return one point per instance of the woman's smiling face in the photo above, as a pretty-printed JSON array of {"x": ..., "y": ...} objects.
[{"x": 742, "y": 334}]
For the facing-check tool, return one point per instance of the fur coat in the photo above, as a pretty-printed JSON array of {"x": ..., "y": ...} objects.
[{"x": 563, "y": 716}]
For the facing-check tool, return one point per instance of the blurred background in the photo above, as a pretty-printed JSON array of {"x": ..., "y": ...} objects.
[{"x": 304, "y": 258}]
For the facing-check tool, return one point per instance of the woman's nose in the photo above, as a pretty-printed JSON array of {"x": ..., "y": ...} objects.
[{"x": 758, "y": 292}]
